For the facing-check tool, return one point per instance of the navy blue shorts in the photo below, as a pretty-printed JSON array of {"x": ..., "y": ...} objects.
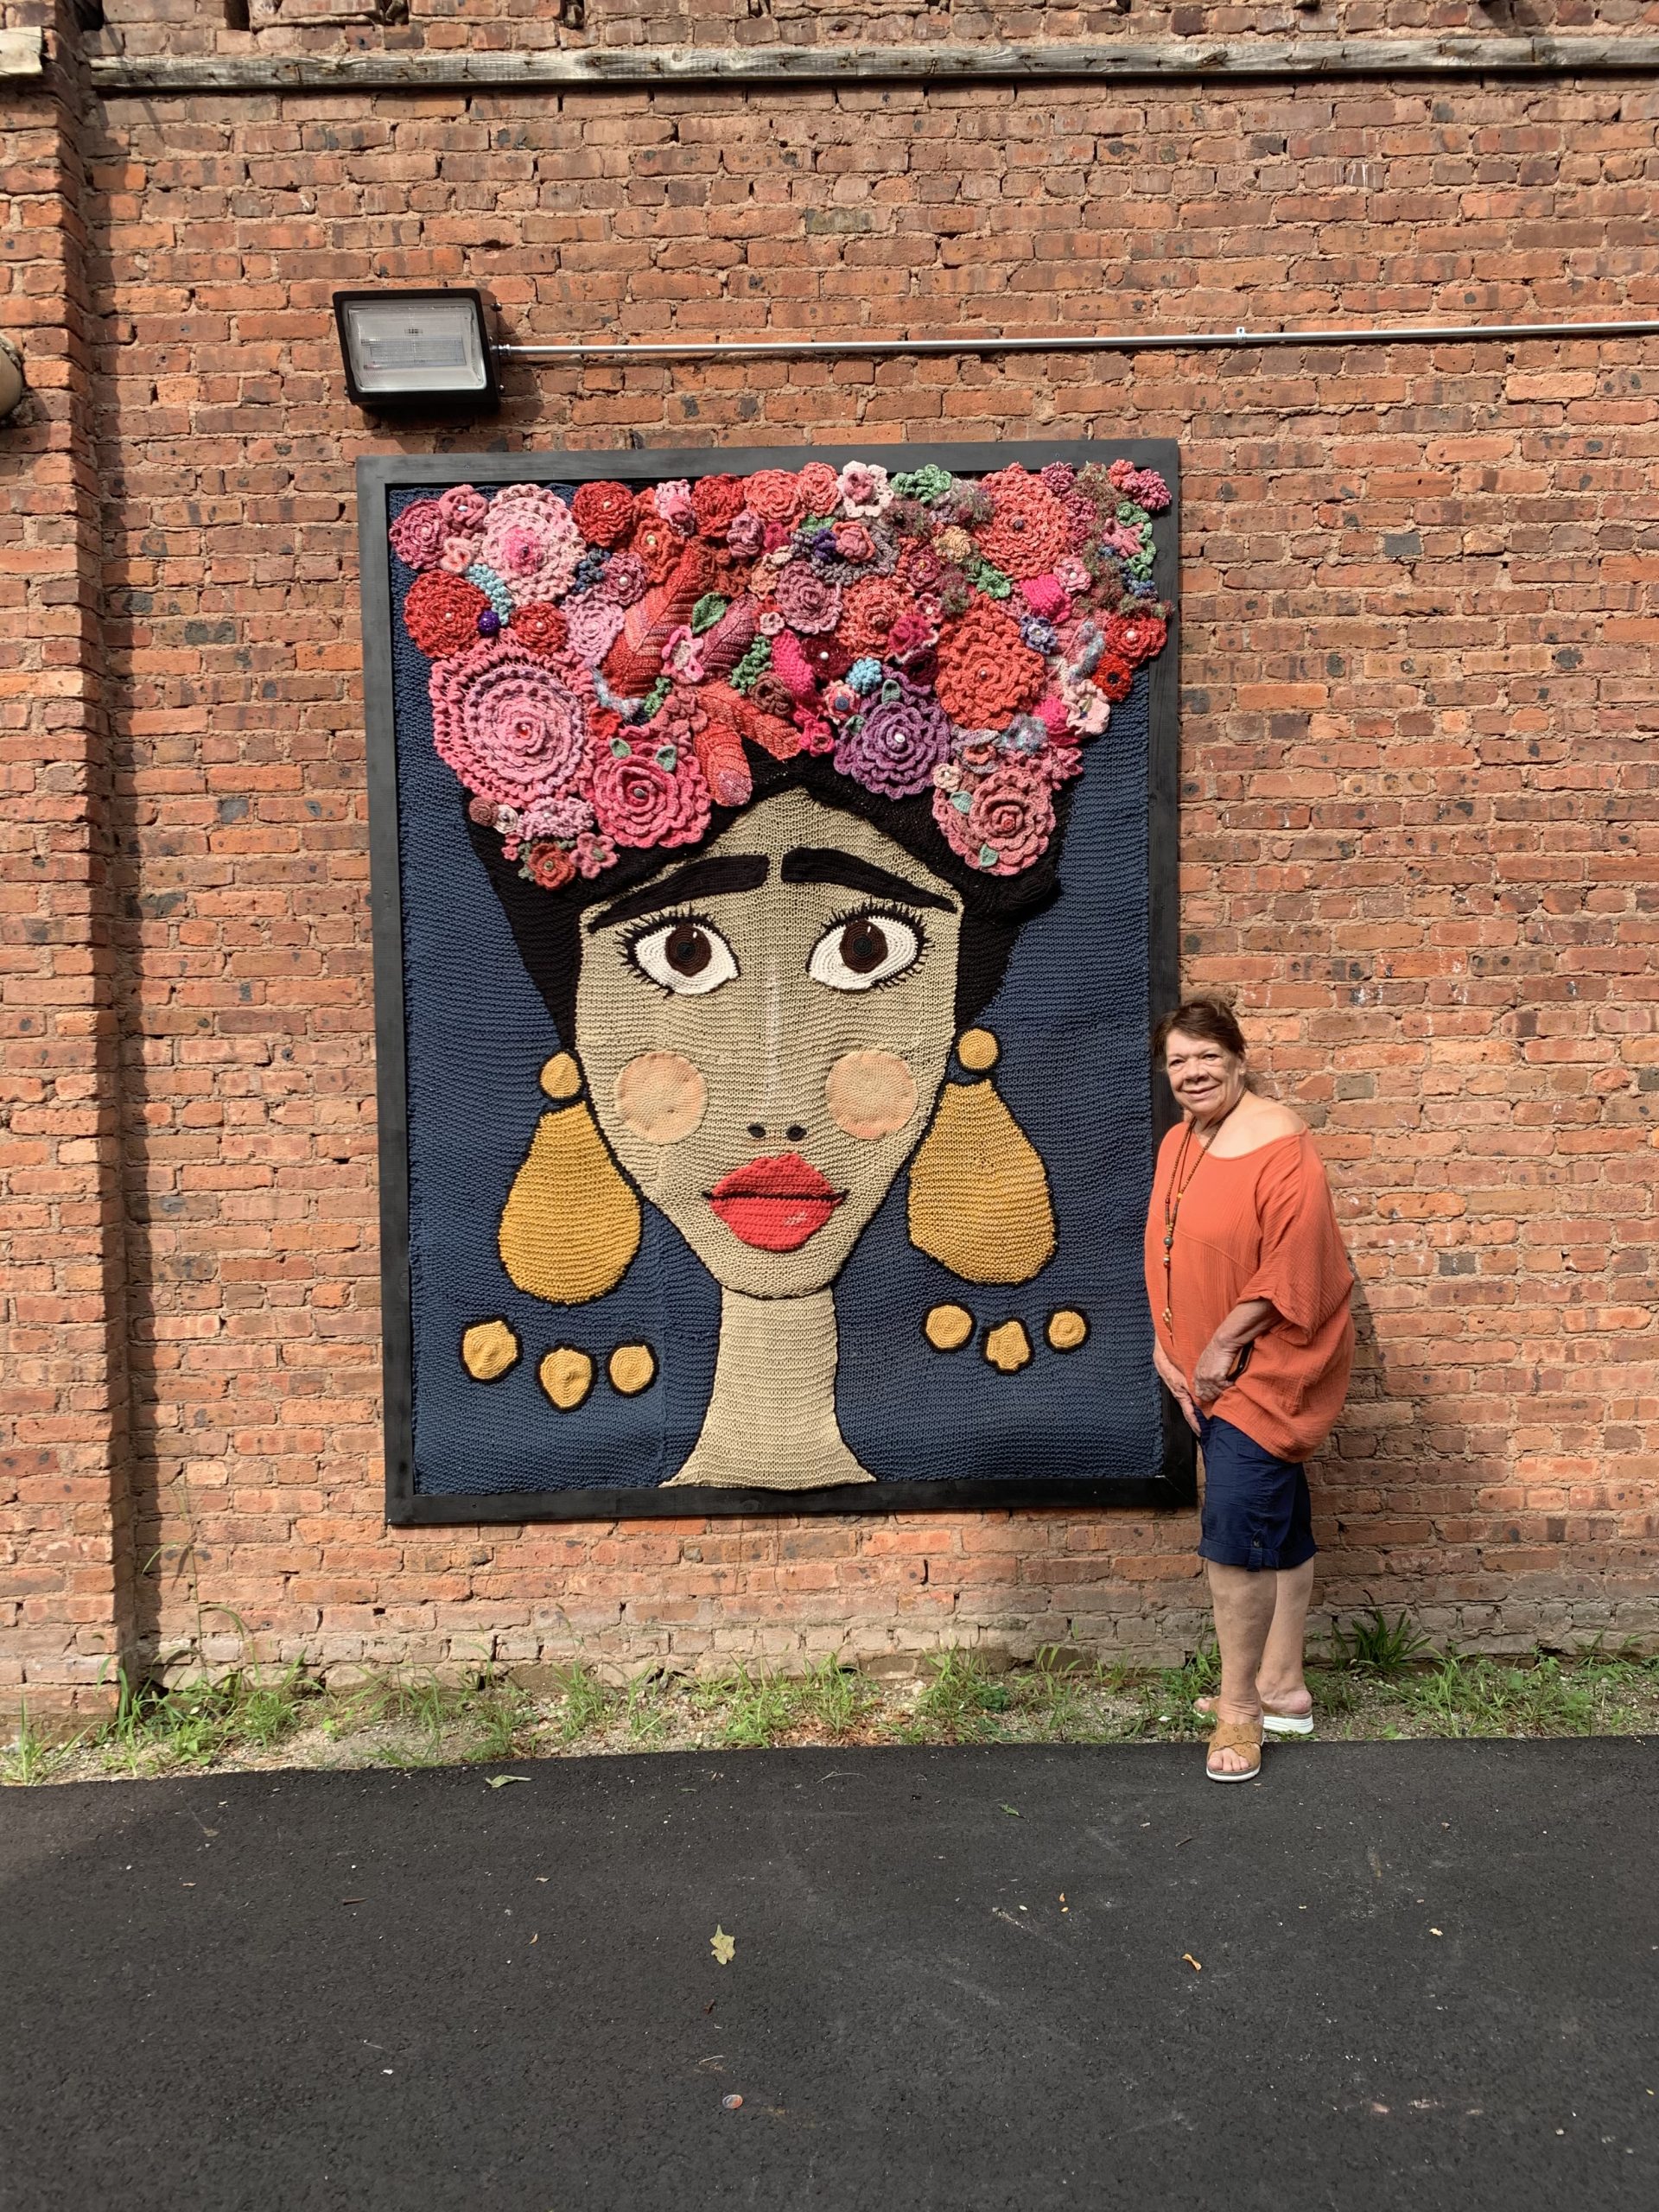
[{"x": 1256, "y": 1510}]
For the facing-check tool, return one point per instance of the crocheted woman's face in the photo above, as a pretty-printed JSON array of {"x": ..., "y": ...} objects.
[{"x": 764, "y": 1028}]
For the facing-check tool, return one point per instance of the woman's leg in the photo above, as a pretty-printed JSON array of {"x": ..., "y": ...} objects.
[
  {"x": 1280, "y": 1679},
  {"x": 1244, "y": 1598}
]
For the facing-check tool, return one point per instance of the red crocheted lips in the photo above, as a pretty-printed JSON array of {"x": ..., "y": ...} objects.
[{"x": 777, "y": 1204}]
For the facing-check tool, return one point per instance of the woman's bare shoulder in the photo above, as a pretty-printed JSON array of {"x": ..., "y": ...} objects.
[{"x": 1255, "y": 1123}]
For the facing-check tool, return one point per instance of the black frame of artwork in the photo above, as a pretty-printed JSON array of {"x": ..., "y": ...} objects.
[{"x": 378, "y": 476}]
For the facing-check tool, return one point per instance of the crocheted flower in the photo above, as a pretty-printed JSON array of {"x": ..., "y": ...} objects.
[
  {"x": 624, "y": 582},
  {"x": 508, "y": 723},
  {"x": 442, "y": 611},
  {"x": 1059, "y": 476},
  {"x": 1115, "y": 677},
  {"x": 417, "y": 535},
  {"x": 654, "y": 544},
  {"x": 1002, "y": 822},
  {"x": 603, "y": 513},
  {"x": 864, "y": 488},
  {"x": 646, "y": 793},
  {"x": 566, "y": 814},
  {"x": 595, "y": 853},
  {"x": 465, "y": 510},
  {"x": 458, "y": 555},
  {"x": 773, "y": 696},
  {"x": 532, "y": 544},
  {"x": 542, "y": 627},
  {"x": 714, "y": 500},
  {"x": 808, "y": 601},
  {"x": 1144, "y": 485},
  {"x": 746, "y": 536},
  {"x": 1027, "y": 531},
  {"x": 820, "y": 488},
  {"x": 986, "y": 673},
  {"x": 868, "y": 611},
  {"x": 1047, "y": 596},
  {"x": 853, "y": 542},
  {"x": 826, "y": 657},
  {"x": 674, "y": 504},
  {"x": 1134, "y": 637},
  {"x": 1072, "y": 573},
  {"x": 774, "y": 494},
  {"x": 898, "y": 741},
  {"x": 592, "y": 626},
  {"x": 548, "y": 865}
]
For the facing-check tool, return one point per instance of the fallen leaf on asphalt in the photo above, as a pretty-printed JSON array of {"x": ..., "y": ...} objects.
[
  {"x": 500, "y": 1781},
  {"x": 1013, "y": 1811},
  {"x": 722, "y": 1945},
  {"x": 1192, "y": 1961}
]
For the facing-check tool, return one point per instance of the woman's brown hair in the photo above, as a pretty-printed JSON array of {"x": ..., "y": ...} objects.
[{"x": 1210, "y": 1019}]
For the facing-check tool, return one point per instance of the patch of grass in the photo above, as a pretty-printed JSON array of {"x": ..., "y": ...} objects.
[
  {"x": 585, "y": 1706},
  {"x": 835, "y": 1701},
  {"x": 1371, "y": 1645},
  {"x": 35, "y": 1756},
  {"x": 1481, "y": 1697},
  {"x": 963, "y": 1703},
  {"x": 155, "y": 1730},
  {"x": 1165, "y": 1701}
]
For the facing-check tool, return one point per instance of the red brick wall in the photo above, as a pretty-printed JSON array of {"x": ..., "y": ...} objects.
[{"x": 1420, "y": 824}]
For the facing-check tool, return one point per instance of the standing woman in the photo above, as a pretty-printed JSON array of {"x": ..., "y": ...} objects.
[{"x": 1249, "y": 1288}]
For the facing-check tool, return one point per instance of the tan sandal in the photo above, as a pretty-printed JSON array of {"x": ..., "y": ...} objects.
[{"x": 1234, "y": 1736}]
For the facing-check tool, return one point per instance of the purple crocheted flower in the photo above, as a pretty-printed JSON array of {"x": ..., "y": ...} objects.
[
  {"x": 532, "y": 544},
  {"x": 897, "y": 742},
  {"x": 807, "y": 600},
  {"x": 417, "y": 535},
  {"x": 508, "y": 723}
]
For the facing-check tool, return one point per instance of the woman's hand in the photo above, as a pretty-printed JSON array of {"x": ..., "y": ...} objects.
[
  {"x": 1175, "y": 1382},
  {"x": 1214, "y": 1370}
]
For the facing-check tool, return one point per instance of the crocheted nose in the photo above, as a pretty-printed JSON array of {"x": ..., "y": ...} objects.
[{"x": 795, "y": 1132}]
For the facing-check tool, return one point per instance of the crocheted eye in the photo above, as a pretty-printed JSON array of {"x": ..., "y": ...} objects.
[
  {"x": 688, "y": 958},
  {"x": 864, "y": 949}
]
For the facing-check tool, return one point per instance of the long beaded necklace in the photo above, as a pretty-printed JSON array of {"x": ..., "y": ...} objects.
[{"x": 1174, "y": 1192}]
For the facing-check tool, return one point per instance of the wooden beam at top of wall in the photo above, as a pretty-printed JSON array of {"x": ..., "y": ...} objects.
[
  {"x": 736, "y": 68},
  {"x": 20, "y": 53}
]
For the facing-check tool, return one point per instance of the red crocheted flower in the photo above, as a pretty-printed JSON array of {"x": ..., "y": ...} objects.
[
  {"x": 641, "y": 800},
  {"x": 714, "y": 500},
  {"x": 548, "y": 865},
  {"x": 604, "y": 512},
  {"x": 1115, "y": 677},
  {"x": 820, "y": 488},
  {"x": 774, "y": 494},
  {"x": 442, "y": 611},
  {"x": 868, "y": 611},
  {"x": 1027, "y": 531},
  {"x": 1134, "y": 637},
  {"x": 986, "y": 673},
  {"x": 826, "y": 657},
  {"x": 541, "y": 626},
  {"x": 654, "y": 544}
]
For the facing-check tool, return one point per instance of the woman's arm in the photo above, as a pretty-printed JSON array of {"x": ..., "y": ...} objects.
[{"x": 1242, "y": 1327}]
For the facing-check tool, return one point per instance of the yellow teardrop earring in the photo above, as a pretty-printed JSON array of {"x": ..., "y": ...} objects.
[
  {"x": 979, "y": 1195},
  {"x": 570, "y": 1227}
]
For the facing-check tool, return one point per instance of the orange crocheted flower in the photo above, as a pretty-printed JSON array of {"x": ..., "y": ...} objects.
[
  {"x": 1028, "y": 530},
  {"x": 868, "y": 612},
  {"x": 774, "y": 494},
  {"x": 986, "y": 673},
  {"x": 820, "y": 488},
  {"x": 714, "y": 500},
  {"x": 1134, "y": 637},
  {"x": 657, "y": 545}
]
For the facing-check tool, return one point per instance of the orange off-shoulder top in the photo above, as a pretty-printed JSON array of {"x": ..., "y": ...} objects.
[{"x": 1260, "y": 1226}]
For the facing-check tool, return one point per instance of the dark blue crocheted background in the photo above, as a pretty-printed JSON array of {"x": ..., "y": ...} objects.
[{"x": 1071, "y": 1021}]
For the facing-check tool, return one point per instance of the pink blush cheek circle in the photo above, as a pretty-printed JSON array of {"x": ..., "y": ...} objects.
[
  {"x": 661, "y": 1097},
  {"x": 870, "y": 1095}
]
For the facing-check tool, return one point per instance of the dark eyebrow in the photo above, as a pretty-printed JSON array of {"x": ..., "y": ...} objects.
[
  {"x": 815, "y": 864},
  {"x": 704, "y": 878}
]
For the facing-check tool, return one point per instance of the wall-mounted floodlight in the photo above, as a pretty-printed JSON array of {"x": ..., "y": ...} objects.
[
  {"x": 11, "y": 378},
  {"x": 427, "y": 351}
]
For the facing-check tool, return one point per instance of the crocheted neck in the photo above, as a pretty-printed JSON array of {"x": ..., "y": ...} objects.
[{"x": 778, "y": 1353}]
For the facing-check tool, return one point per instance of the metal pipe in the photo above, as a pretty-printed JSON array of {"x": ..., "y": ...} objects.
[{"x": 1185, "y": 341}]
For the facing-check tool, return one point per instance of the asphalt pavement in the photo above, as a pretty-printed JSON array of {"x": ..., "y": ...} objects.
[{"x": 1388, "y": 1975}]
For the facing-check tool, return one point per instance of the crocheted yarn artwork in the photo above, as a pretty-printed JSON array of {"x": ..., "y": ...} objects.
[{"x": 772, "y": 852}]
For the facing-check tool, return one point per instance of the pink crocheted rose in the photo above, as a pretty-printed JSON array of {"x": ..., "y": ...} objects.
[
  {"x": 864, "y": 488},
  {"x": 509, "y": 723},
  {"x": 465, "y": 510},
  {"x": 747, "y": 536},
  {"x": 1059, "y": 476},
  {"x": 644, "y": 796},
  {"x": 1007, "y": 822},
  {"x": 564, "y": 815},
  {"x": 853, "y": 542},
  {"x": 532, "y": 542},
  {"x": 774, "y": 494},
  {"x": 417, "y": 536},
  {"x": 808, "y": 602},
  {"x": 676, "y": 506},
  {"x": 1072, "y": 573},
  {"x": 624, "y": 582},
  {"x": 458, "y": 555},
  {"x": 594, "y": 625},
  {"x": 1118, "y": 537},
  {"x": 820, "y": 488},
  {"x": 1047, "y": 596},
  {"x": 1144, "y": 485}
]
